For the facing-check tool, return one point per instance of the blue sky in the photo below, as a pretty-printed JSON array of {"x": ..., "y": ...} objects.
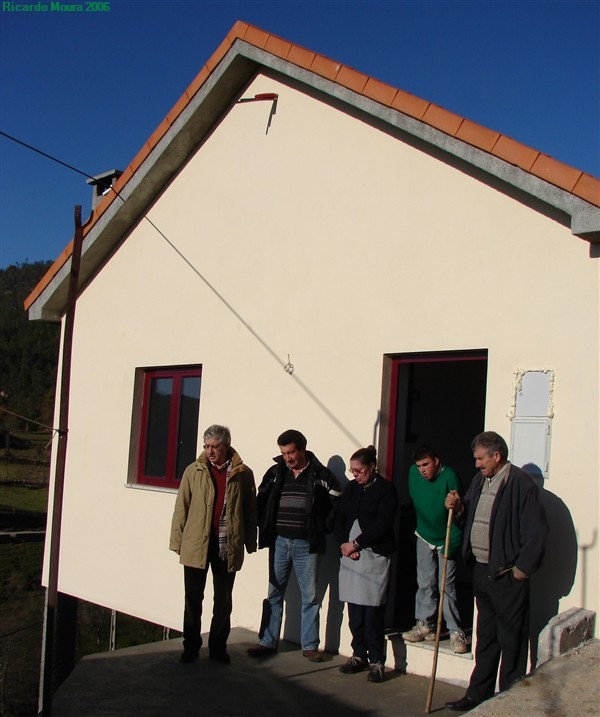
[{"x": 90, "y": 87}]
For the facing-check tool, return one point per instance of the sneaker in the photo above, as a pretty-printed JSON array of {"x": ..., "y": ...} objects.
[
  {"x": 261, "y": 651},
  {"x": 376, "y": 672},
  {"x": 354, "y": 665},
  {"x": 458, "y": 643},
  {"x": 313, "y": 655},
  {"x": 419, "y": 632}
]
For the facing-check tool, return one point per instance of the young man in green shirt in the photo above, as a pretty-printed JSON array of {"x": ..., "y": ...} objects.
[{"x": 429, "y": 482}]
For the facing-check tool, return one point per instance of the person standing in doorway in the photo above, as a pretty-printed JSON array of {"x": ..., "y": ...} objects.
[
  {"x": 429, "y": 482},
  {"x": 213, "y": 521},
  {"x": 296, "y": 504}
]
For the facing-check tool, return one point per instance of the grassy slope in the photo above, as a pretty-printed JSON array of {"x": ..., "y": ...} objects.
[{"x": 24, "y": 487}]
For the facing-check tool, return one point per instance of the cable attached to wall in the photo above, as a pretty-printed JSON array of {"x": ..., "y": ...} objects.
[{"x": 287, "y": 367}]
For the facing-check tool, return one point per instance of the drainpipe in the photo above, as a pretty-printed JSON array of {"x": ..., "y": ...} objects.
[{"x": 52, "y": 648}]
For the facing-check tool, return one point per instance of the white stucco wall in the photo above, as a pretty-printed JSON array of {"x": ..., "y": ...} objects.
[{"x": 336, "y": 243}]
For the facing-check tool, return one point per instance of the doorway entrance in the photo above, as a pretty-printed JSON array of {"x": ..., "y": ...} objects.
[{"x": 436, "y": 399}]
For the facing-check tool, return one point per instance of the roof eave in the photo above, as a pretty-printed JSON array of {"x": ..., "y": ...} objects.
[
  {"x": 160, "y": 161},
  {"x": 155, "y": 172}
]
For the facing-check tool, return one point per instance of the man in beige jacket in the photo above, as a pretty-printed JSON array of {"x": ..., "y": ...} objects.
[{"x": 214, "y": 519}]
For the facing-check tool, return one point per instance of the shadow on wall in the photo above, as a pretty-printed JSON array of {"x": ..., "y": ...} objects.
[
  {"x": 555, "y": 579},
  {"x": 327, "y": 580}
]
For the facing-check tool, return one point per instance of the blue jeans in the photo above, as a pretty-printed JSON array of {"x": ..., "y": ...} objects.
[
  {"x": 286, "y": 553},
  {"x": 430, "y": 564}
]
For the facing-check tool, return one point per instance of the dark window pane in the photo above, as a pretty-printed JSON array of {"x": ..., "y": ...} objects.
[
  {"x": 189, "y": 409},
  {"x": 157, "y": 434}
]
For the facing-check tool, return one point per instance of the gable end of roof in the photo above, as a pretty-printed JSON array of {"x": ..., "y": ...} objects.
[{"x": 244, "y": 52}]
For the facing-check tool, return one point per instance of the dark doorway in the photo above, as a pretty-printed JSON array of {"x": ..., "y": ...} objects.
[{"x": 438, "y": 399}]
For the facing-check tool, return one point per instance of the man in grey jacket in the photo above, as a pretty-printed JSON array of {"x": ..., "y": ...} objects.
[
  {"x": 505, "y": 530},
  {"x": 214, "y": 519}
]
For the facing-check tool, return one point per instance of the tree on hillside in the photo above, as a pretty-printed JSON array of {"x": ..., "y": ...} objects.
[{"x": 28, "y": 350}]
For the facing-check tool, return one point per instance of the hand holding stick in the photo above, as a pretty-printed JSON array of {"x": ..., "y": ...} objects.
[{"x": 440, "y": 605}]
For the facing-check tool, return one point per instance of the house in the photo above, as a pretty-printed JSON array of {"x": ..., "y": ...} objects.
[{"x": 300, "y": 245}]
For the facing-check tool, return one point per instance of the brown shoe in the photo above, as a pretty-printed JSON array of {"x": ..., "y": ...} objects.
[
  {"x": 261, "y": 651},
  {"x": 313, "y": 655}
]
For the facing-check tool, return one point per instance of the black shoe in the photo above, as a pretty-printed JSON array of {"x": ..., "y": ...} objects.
[
  {"x": 188, "y": 657},
  {"x": 376, "y": 672},
  {"x": 354, "y": 665},
  {"x": 463, "y": 705},
  {"x": 261, "y": 651},
  {"x": 221, "y": 657}
]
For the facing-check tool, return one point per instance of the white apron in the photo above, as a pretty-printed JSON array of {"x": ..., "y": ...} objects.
[{"x": 364, "y": 581}]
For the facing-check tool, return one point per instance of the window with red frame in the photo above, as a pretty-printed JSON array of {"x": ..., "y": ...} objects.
[{"x": 168, "y": 425}]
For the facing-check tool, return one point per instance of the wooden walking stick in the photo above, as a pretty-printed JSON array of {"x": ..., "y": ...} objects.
[{"x": 440, "y": 614}]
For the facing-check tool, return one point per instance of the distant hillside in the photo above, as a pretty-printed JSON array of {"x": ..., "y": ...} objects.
[{"x": 28, "y": 350}]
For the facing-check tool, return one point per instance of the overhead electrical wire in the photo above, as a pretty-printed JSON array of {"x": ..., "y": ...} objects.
[
  {"x": 286, "y": 365},
  {"x": 48, "y": 156},
  {"x": 26, "y": 418}
]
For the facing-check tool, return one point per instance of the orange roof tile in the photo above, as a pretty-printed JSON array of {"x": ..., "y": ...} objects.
[
  {"x": 197, "y": 82},
  {"x": 555, "y": 172},
  {"x": 352, "y": 79},
  {"x": 299, "y": 56},
  {"x": 178, "y": 108},
  {"x": 60, "y": 260},
  {"x": 477, "y": 135},
  {"x": 588, "y": 188},
  {"x": 218, "y": 55},
  {"x": 561, "y": 175},
  {"x": 409, "y": 104},
  {"x": 278, "y": 47},
  {"x": 441, "y": 119},
  {"x": 325, "y": 67},
  {"x": 379, "y": 91}
]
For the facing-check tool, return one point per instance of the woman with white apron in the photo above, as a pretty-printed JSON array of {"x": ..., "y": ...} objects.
[{"x": 364, "y": 529}]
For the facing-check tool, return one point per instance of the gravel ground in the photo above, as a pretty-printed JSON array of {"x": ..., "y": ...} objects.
[{"x": 566, "y": 686}]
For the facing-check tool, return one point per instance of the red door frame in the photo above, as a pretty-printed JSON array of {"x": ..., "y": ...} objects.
[{"x": 389, "y": 395}]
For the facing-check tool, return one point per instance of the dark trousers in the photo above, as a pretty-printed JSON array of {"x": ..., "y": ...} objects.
[
  {"x": 502, "y": 632},
  {"x": 195, "y": 582},
  {"x": 367, "y": 624}
]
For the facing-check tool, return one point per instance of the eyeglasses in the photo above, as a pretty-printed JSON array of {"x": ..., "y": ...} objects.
[{"x": 358, "y": 471}]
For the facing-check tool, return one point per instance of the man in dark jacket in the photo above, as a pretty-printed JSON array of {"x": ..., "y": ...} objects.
[
  {"x": 296, "y": 501},
  {"x": 505, "y": 530}
]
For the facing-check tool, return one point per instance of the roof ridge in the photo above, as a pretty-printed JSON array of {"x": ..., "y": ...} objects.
[
  {"x": 500, "y": 145},
  {"x": 572, "y": 180}
]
